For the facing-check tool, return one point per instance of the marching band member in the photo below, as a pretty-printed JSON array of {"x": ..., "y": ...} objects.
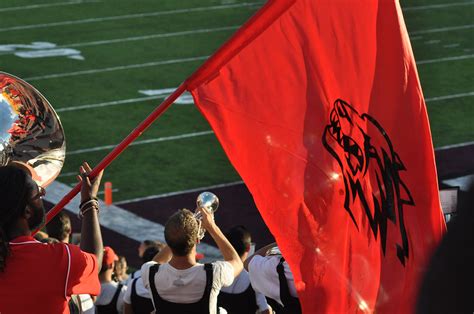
[
  {"x": 271, "y": 275},
  {"x": 64, "y": 269},
  {"x": 240, "y": 298},
  {"x": 179, "y": 284},
  {"x": 137, "y": 298}
]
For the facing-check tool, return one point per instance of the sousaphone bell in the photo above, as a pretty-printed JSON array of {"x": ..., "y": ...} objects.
[{"x": 31, "y": 134}]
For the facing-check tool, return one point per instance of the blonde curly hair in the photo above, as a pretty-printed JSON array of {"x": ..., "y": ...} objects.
[{"x": 181, "y": 232}]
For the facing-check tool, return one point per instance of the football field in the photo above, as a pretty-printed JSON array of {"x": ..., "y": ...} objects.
[{"x": 105, "y": 65}]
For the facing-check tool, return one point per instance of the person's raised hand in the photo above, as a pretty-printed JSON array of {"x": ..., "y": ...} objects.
[
  {"x": 207, "y": 219},
  {"x": 89, "y": 187}
]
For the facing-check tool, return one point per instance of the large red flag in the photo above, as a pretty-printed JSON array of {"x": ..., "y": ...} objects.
[{"x": 319, "y": 107}]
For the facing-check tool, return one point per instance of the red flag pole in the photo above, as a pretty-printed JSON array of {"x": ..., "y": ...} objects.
[{"x": 118, "y": 150}]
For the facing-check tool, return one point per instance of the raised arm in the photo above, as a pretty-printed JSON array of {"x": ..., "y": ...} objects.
[
  {"x": 262, "y": 251},
  {"x": 163, "y": 256},
  {"x": 91, "y": 236},
  {"x": 227, "y": 250}
]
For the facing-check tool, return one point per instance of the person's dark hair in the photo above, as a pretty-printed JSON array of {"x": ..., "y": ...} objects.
[
  {"x": 149, "y": 243},
  {"x": 13, "y": 194},
  {"x": 59, "y": 227},
  {"x": 181, "y": 232},
  {"x": 240, "y": 239},
  {"x": 150, "y": 253}
]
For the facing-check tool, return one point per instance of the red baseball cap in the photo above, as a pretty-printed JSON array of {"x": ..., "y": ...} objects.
[{"x": 109, "y": 257}]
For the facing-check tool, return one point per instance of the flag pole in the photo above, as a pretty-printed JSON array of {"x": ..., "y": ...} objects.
[
  {"x": 251, "y": 29},
  {"x": 107, "y": 160}
]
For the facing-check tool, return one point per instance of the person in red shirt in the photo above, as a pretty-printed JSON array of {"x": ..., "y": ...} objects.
[{"x": 36, "y": 277}]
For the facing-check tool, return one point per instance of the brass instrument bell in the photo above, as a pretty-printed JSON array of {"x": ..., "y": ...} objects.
[
  {"x": 208, "y": 201},
  {"x": 31, "y": 134}
]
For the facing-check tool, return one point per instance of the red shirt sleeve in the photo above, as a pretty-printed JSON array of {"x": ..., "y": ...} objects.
[{"x": 83, "y": 272}]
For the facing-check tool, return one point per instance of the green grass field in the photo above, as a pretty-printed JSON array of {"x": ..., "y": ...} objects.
[{"x": 130, "y": 46}]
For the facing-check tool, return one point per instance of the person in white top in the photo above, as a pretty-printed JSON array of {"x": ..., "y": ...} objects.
[
  {"x": 142, "y": 249},
  {"x": 137, "y": 298},
  {"x": 178, "y": 284},
  {"x": 271, "y": 275},
  {"x": 111, "y": 295},
  {"x": 240, "y": 298}
]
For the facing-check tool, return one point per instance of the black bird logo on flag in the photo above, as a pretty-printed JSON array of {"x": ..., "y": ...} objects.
[{"x": 363, "y": 158}]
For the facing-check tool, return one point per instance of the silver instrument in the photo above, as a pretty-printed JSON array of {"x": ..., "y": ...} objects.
[
  {"x": 208, "y": 201},
  {"x": 31, "y": 134},
  {"x": 273, "y": 251}
]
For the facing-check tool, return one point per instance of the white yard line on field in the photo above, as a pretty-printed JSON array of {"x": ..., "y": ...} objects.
[
  {"x": 203, "y": 31},
  {"x": 455, "y": 58},
  {"x": 432, "y": 41},
  {"x": 138, "y": 38},
  {"x": 109, "y": 103},
  {"x": 55, "y": 4},
  {"x": 431, "y": 99},
  {"x": 437, "y": 6},
  {"x": 102, "y": 192},
  {"x": 153, "y": 36},
  {"x": 442, "y": 29},
  {"x": 150, "y": 64},
  {"x": 139, "y": 99},
  {"x": 207, "y": 30},
  {"x": 131, "y": 16},
  {"x": 454, "y": 146},
  {"x": 452, "y": 45},
  {"x": 117, "y": 68},
  {"x": 202, "y": 133},
  {"x": 149, "y": 141},
  {"x": 45, "y": 5}
]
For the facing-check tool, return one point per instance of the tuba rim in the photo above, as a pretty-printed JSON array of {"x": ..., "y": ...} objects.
[{"x": 31, "y": 133}]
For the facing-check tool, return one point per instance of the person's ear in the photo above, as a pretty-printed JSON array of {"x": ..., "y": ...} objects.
[{"x": 28, "y": 212}]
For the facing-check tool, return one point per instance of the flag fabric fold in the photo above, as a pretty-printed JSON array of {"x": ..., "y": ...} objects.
[{"x": 319, "y": 108}]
